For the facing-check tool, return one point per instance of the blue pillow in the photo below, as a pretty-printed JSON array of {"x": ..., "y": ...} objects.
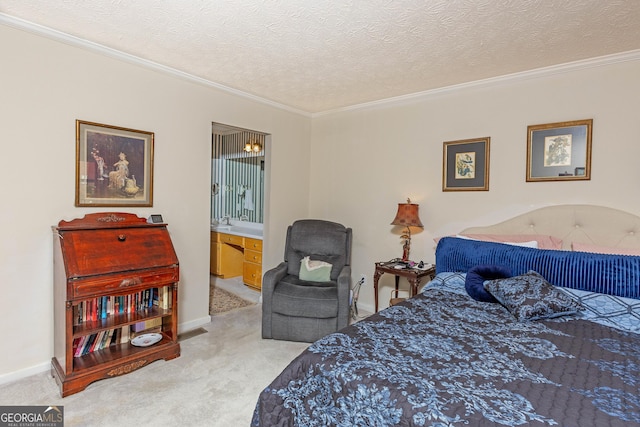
[
  {"x": 476, "y": 276},
  {"x": 530, "y": 297},
  {"x": 606, "y": 274}
]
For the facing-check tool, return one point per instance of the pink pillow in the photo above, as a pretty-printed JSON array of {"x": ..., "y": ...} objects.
[
  {"x": 587, "y": 247},
  {"x": 544, "y": 242}
]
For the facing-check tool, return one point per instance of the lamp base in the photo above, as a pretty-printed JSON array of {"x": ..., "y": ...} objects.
[{"x": 406, "y": 248}]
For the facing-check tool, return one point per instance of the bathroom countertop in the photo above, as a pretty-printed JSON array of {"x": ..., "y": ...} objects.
[{"x": 239, "y": 230}]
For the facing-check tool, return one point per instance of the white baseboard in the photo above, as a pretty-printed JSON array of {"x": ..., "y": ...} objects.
[
  {"x": 194, "y": 324},
  {"x": 24, "y": 373},
  {"x": 45, "y": 366}
]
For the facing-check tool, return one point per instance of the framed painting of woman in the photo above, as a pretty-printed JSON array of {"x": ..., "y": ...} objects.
[{"x": 114, "y": 165}]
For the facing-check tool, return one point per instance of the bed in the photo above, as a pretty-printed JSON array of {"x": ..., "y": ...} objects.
[{"x": 558, "y": 345}]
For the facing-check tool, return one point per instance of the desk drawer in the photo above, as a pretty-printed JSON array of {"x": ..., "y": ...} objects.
[
  {"x": 252, "y": 275},
  {"x": 253, "y": 244},
  {"x": 120, "y": 283},
  {"x": 253, "y": 256},
  {"x": 230, "y": 239}
]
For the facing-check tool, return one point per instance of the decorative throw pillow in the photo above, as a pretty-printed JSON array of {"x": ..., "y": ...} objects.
[
  {"x": 525, "y": 244},
  {"x": 585, "y": 247},
  {"x": 314, "y": 271},
  {"x": 476, "y": 276},
  {"x": 530, "y": 297},
  {"x": 538, "y": 241},
  {"x": 543, "y": 241}
]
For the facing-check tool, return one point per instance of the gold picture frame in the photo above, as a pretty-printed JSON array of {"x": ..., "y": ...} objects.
[
  {"x": 559, "y": 151},
  {"x": 465, "y": 165},
  {"x": 114, "y": 166}
]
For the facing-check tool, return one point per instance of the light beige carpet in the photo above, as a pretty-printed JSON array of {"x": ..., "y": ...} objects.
[
  {"x": 221, "y": 301},
  {"x": 215, "y": 382}
]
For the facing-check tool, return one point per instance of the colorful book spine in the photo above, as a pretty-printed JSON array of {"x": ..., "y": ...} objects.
[
  {"x": 103, "y": 307},
  {"x": 79, "y": 345}
]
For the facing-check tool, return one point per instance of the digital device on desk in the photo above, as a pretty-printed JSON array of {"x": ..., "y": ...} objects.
[
  {"x": 423, "y": 265},
  {"x": 155, "y": 219}
]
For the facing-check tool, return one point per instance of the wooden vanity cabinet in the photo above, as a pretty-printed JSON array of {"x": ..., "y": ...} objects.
[
  {"x": 215, "y": 255},
  {"x": 233, "y": 256},
  {"x": 111, "y": 271},
  {"x": 227, "y": 255},
  {"x": 252, "y": 267}
]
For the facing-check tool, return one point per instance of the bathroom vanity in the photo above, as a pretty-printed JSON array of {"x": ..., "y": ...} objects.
[{"x": 237, "y": 251}]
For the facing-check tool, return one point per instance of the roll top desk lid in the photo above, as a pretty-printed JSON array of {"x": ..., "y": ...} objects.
[{"x": 104, "y": 243}]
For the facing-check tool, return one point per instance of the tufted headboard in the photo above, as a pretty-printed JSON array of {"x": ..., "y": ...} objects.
[{"x": 598, "y": 225}]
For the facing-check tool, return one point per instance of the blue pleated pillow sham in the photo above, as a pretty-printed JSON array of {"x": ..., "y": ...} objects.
[{"x": 606, "y": 274}]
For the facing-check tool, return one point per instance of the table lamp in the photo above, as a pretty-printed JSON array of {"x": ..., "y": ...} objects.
[{"x": 407, "y": 216}]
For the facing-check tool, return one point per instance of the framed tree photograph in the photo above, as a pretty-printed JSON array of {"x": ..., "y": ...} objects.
[
  {"x": 114, "y": 166},
  {"x": 466, "y": 165},
  {"x": 559, "y": 151}
]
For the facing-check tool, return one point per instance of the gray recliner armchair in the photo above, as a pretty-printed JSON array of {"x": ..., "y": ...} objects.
[{"x": 299, "y": 310}]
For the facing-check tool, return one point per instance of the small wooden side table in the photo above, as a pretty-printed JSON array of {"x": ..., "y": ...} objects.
[{"x": 413, "y": 276}]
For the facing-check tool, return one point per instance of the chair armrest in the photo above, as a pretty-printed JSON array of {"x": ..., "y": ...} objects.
[
  {"x": 272, "y": 277},
  {"x": 269, "y": 281},
  {"x": 344, "y": 278},
  {"x": 344, "y": 287}
]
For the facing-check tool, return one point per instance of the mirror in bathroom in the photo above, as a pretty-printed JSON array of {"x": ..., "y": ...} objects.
[{"x": 237, "y": 174}]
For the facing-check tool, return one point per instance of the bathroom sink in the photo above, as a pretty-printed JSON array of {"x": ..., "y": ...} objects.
[
  {"x": 238, "y": 230},
  {"x": 220, "y": 227},
  {"x": 246, "y": 231}
]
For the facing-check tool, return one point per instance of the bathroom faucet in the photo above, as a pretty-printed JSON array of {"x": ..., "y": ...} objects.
[{"x": 226, "y": 218}]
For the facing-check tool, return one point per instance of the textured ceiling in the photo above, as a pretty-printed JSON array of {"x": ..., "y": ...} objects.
[{"x": 317, "y": 56}]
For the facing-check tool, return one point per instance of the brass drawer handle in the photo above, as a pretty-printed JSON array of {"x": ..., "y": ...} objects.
[
  {"x": 130, "y": 282},
  {"x": 122, "y": 237}
]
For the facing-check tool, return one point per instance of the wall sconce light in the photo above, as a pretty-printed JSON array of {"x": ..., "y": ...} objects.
[
  {"x": 407, "y": 216},
  {"x": 252, "y": 146}
]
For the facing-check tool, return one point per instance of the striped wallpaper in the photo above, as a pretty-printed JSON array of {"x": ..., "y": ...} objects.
[{"x": 237, "y": 177}]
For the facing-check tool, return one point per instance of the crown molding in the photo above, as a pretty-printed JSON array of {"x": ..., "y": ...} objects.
[
  {"x": 68, "y": 39},
  {"x": 59, "y": 36},
  {"x": 633, "y": 55}
]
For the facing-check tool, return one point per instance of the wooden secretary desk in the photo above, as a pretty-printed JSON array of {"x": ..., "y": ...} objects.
[{"x": 114, "y": 275}]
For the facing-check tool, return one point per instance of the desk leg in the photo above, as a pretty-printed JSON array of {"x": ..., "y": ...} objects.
[{"x": 376, "y": 276}]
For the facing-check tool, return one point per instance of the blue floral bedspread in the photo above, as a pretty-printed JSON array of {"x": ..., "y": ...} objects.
[{"x": 443, "y": 359}]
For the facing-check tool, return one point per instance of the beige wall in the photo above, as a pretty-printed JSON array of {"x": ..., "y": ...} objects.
[
  {"x": 45, "y": 86},
  {"x": 381, "y": 155},
  {"x": 362, "y": 163}
]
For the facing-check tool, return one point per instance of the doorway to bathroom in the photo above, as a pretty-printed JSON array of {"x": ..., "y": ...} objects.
[
  {"x": 237, "y": 211},
  {"x": 237, "y": 173}
]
